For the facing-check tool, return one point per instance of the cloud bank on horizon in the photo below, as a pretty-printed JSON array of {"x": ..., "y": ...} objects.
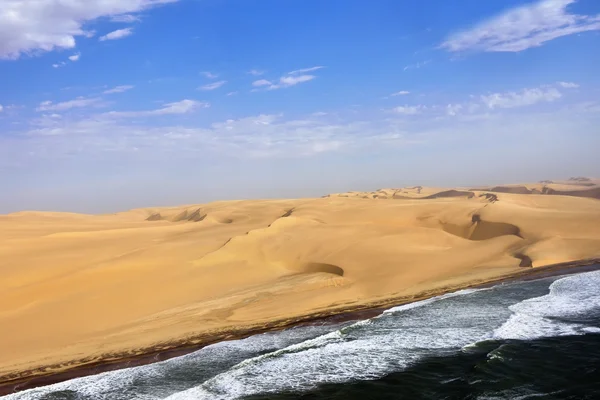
[{"x": 179, "y": 101}]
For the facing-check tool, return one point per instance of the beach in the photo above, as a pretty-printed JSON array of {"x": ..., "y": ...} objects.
[
  {"x": 519, "y": 338},
  {"x": 101, "y": 291}
]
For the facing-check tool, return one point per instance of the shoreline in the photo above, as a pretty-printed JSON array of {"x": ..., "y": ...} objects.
[{"x": 80, "y": 368}]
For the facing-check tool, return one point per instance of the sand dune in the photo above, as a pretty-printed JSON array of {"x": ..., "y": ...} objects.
[
  {"x": 76, "y": 288},
  {"x": 578, "y": 187}
]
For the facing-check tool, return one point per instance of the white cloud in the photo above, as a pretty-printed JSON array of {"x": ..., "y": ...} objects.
[
  {"x": 292, "y": 78},
  {"x": 72, "y": 58},
  {"x": 209, "y": 75},
  {"x": 407, "y": 110},
  {"x": 101, "y": 138},
  {"x": 212, "y": 86},
  {"x": 79, "y": 102},
  {"x": 118, "y": 89},
  {"x": 418, "y": 65},
  {"x": 453, "y": 109},
  {"x": 232, "y": 93},
  {"x": 569, "y": 85},
  {"x": 525, "y": 97},
  {"x": 9, "y": 107},
  {"x": 523, "y": 27},
  {"x": 261, "y": 82},
  {"x": 400, "y": 93},
  {"x": 126, "y": 18},
  {"x": 304, "y": 70},
  {"x": 180, "y": 107},
  {"x": 29, "y": 27},
  {"x": 287, "y": 81},
  {"x": 479, "y": 106},
  {"x": 278, "y": 136},
  {"x": 256, "y": 72},
  {"x": 118, "y": 34},
  {"x": 249, "y": 137}
]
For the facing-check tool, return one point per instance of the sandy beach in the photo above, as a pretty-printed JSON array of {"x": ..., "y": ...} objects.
[{"x": 80, "y": 289}]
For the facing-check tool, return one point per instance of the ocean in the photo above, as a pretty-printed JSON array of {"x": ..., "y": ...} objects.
[{"x": 537, "y": 339}]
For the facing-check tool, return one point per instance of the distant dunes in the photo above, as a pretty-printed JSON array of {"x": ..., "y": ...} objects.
[{"x": 578, "y": 187}]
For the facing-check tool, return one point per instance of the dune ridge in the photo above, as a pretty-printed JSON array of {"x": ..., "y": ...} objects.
[{"x": 77, "y": 288}]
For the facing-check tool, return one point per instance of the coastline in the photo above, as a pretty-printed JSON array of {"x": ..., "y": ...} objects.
[{"x": 41, "y": 377}]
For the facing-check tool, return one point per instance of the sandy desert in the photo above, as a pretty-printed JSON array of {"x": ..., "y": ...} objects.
[{"x": 81, "y": 288}]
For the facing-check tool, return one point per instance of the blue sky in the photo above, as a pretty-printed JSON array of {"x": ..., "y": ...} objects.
[{"x": 114, "y": 104}]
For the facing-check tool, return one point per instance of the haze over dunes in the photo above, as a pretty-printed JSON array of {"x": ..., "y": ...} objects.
[{"x": 77, "y": 287}]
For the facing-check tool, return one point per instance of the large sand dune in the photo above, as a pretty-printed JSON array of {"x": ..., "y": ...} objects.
[{"x": 75, "y": 288}]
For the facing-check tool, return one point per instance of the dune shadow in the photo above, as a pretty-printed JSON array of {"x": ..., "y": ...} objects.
[
  {"x": 451, "y": 193},
  {"x": 479, "y": 229},
  {"x": 322, "y": 267}
]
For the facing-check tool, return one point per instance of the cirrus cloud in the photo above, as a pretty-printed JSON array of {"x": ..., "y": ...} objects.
[
  {"x": 303, "y": 71},
  {"x": 408, "y": 110},
  {"x": 261, "y": 82},
  {"x": 569, "y": 85},
  {"x": 118, "y": 34},
  {"x": 118, "y": 89},
  {"x": 523, "y": 27},
  {"x": 179, "y": 107},
  {"x": 526, "y": 97},
  {"x": 79, "y": 102},
  {"x": 212, "y": 86}
]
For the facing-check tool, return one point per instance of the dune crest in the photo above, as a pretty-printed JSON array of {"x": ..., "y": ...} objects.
[{"x": 76, "y": 288}]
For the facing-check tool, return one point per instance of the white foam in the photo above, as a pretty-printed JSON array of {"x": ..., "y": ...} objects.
[
  {"x": 396, "y": 339},
  {"x": 113, "y": 385},
  {"x": 364, "y": 350},
  {"x": 335, "y": 362},
  {"x": 556, "y": 313},
  {"x": 98, "y": 386}
]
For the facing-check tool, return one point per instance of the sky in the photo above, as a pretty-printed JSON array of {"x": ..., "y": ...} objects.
[{"x": 108, "y": 105}]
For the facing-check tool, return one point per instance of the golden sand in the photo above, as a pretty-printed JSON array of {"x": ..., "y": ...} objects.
[{"x": 75, "y": 287}]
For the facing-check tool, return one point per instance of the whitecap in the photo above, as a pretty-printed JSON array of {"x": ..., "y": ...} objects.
[{"x": 558, "y": 313}]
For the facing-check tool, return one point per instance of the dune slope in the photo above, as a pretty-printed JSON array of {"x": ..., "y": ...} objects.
[{"x": 75, "y": 288}]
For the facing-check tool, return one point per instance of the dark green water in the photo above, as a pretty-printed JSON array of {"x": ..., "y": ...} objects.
[{"x": 524, "y": 340}]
